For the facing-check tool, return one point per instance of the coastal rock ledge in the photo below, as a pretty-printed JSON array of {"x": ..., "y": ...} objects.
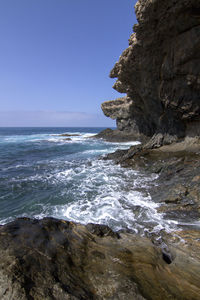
[
  {"x": 160, "y": 72},
  {"x": 55, "y": 259}
]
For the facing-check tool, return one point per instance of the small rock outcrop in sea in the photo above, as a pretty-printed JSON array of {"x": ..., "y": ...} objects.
[
  {"x": 55, "y": 259},
  {"x": 160, "y": 72},
  {"x": 118, "y": 136}
]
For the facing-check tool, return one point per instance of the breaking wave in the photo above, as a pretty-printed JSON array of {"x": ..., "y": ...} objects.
[{"x": 43, "y": 174}]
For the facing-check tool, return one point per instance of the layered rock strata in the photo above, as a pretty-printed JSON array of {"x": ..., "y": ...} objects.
[
  {"x": 120, "y": 109},
  {"x": 55, "y": 259},
  {"x": 160, "y": 72}
]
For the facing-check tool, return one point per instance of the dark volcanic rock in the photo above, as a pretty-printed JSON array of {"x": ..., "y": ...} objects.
[
  {"x": 55, "y": 259},
  {"x": 159, "y": 72},
  {"x": 177, "y": 187},
  {"x": 66, "y": 134},
  {"x": 67, "y": 139},
  {"x": 119, "y": 136}
]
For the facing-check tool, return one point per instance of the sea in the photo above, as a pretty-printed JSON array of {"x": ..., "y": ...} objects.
[{"x": 46, "y": 174}]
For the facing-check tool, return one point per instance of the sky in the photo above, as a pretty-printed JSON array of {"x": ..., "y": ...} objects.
[{"x": 55, "y": 59}]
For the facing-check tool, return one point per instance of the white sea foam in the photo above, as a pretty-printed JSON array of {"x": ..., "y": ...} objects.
[
  {"x": 87, "y": 135},
  {"x": 86, "y": 190},
  {"x": 133, "y": 143},
  {"x": 99, "y": 151},
  {"x": 6, "y": 220},
  {"x": 55, "y": 140},
  {"x": 16, "y": 167},
  {"x": 106, "y": 194},
  {"x": 24, "y": 138}
]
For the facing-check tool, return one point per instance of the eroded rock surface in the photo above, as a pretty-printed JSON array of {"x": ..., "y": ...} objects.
[
  {"x": 55, "y": 259},
  {"x": 177, "y": 187},
  {"x": 160, "y": 71}
]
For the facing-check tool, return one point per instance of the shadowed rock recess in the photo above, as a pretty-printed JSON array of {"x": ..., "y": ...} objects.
[{"x": 160, "y": 72}]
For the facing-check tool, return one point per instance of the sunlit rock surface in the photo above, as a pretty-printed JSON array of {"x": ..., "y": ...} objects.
[{"x": 55, "y": 259}]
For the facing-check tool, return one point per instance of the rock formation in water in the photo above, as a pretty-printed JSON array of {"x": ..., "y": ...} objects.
[
  {"x": 160, "y": 72},
  {"x": 55, "y": 259}
]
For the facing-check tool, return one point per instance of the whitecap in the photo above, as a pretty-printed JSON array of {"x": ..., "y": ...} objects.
[{"x": 105, "y": 194}]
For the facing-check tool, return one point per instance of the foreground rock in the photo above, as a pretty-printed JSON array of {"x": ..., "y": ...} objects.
[
  {"x": 159, "y": 72},
  {"x": 55, "y": 259}
]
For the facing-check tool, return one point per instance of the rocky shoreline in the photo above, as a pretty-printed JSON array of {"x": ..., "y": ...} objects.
[
  {"x": 57, "y": 259},
  {"x": 159, "y": 72},
  {"x": 177, "y": 188}
]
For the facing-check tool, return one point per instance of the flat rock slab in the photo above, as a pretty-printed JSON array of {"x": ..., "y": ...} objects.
[{"x": 118, "y": 136}]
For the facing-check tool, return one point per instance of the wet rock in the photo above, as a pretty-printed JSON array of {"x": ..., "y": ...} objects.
[
  {"x": 176, "y": 194},
  {"x": 116, "y": 156},
  {"x": 56, "y": 259},
  {"x": 66, "y": 134},
  {"x": 101, "y": 230},
  {"x": 177, "y": 187},
  {"x": 119, "y": 136}
]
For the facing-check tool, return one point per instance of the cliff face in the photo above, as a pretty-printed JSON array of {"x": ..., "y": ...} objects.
[{"x": 160, "y": 71}]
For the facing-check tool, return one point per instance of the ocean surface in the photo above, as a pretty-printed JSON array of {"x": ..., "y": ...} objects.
[{"x": 45, "y": 174}]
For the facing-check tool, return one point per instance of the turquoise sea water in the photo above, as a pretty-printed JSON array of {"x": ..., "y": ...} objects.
[{"x": 43, "y": 174}]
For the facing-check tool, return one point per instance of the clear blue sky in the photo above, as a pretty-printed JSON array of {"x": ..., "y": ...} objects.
[{"x": 55, "y": 57}]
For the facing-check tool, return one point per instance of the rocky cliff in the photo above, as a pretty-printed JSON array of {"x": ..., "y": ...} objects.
[{"x": 160, "y": 72}]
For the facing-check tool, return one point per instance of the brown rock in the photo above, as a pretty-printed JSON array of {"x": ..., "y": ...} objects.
[{"x": 56, "y": 259}]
